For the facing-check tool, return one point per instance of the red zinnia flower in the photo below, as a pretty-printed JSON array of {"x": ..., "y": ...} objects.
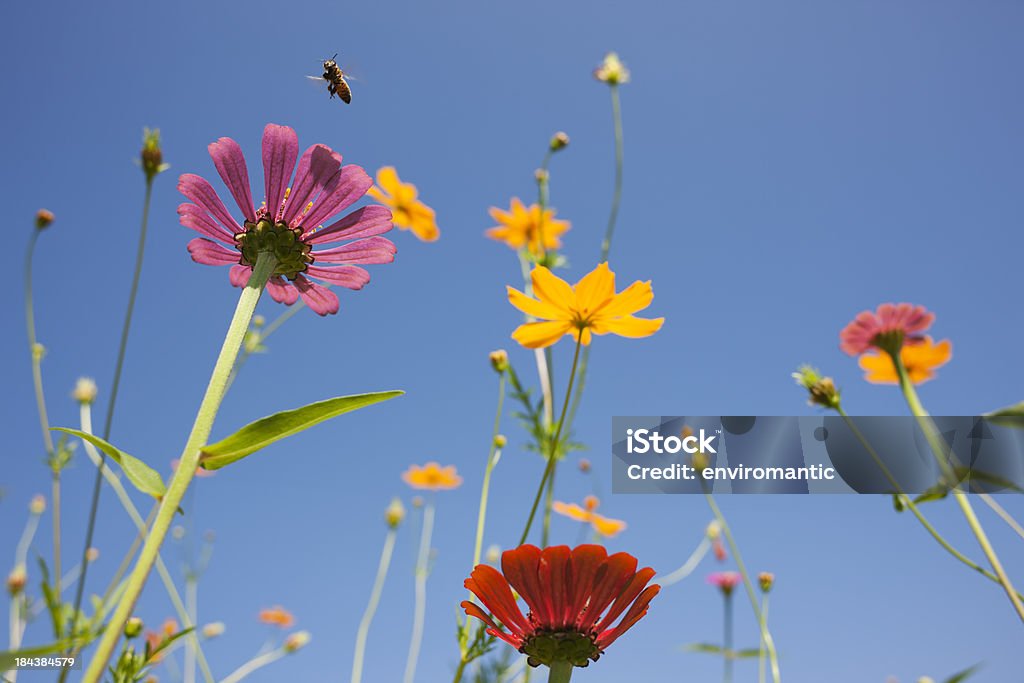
[
  {"x": 290, "y": 224},
  {"x": 887, "y": 329},
  {"x": 567, "y": 591}
]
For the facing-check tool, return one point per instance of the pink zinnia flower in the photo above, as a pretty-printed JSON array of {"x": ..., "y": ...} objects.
[
  {"x": 887, "y": 329},
  {"x": 291, "y": 223},
  {"x": 726, "y": 581}
]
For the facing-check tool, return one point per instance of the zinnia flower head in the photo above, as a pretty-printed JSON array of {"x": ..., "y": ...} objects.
[
  {"x": 887, "y": 329},
  {"x": 432, "y": 477},
  {"x": 589, "y": 307},
  {"x": 277, "y": 616},
  {"x": 527, "y": 227},
  {"x": 726, "y": 581},
  {"x": 408, "y": 213},
  {"x": 291, "y": 224},
  {"x": 604, "y": 526},
  {"x": 574, "y": 597},
  {"x": 920, "y": 361}
]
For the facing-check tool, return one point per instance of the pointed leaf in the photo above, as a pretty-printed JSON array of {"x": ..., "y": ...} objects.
[
  {"x": 963, "y": 675},
  {"x": 1010, "y": 416},
  {"x": 704, "y": 647},
  {"x": 267, "y": 430},
  {"x": 141, "y": 475}
]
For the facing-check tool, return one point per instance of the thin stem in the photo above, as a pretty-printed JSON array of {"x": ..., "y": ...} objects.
[
  {"x": 691, "y": 563},
  {"x": 764, "y": 627},
  {"x": 254, "y": 664},
  {"x": 553, "y": 455},
  {"x": 265, "y": 264},
  {"x": 560, "y": 672},
  {"x": 55, "y": 494},
  {"x": 115, "y": 384},
  {"x": 727, "y": 637},
  {"x": 16, "y": 623},
  {"x": 35, "y": 351},
  {"x": 1003, "y": 514},
  {"x": 492, "y": 456},
  {"x": 192, "y": 611},
  {"x": 420, "y": 609},
  {"x": 549, "y": 499},
  {"x": 371, "y": 607}
]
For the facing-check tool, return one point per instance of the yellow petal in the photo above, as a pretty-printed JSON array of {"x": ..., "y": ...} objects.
[
  {"x": 571, "y": 510},
  {"x": 387, "y": 178},
  {"x": 530, "y": 306},
  {"x": 636, "y": 297},
  {"x": 552, "y": 289},
  {"x": 379, "y": 195},
  {"x": 595, "y": 289},
  {"x": 506, "y": 235},
  {"x": 629, "y": 326},
  {"x": 606, "y": 526},
  {"x": 539, "y": 335},
  {"x": 878, "y": 368}
]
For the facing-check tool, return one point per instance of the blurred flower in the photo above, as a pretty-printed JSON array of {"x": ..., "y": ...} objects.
[
  {"x": 566, "y": 591},
  {"x": 132, "y": 627},
  {"x": 290, "y": 225},
  {"x": 417, "y": 502},
  {"x": 16, "y": 580},
  {"x": 432, "y": 477},
  {"x": 719, "y": 550},
  {"x": 604, "y": 526},
  {"x": 612, "y": 71},
  {"x": 500, "y": 441},
  {"x": 493, "y": 554},
  {"x": 37, "y": 505},
  {"x": 155, "y": 639},
  {"x": 920, "y": 361},
  {"x": 43, "y": 218},
  {"x": 408, "y": 212},
  {"x": 521, "y": 227},
  {"x": 589, "y": 307},
  {"x": 584, "y": 465},
  {"x": 213, "y": 629},
  {"x": 499, "y": 360},
  {"x": 92, "y": 554},
  {"x": 277, "y": 616},
  {"x": 559, "y": 141},
  {"x": 822, "y": 390},
  {"x": 297, "y": 641},
  {"x": 169, "y": 627},
  {"x": 85, "y": 390},
  {"x": 726, "y": 581},
  {"x": 394, "y": 514},
  {"x": 887, "y": 329},
  {"x": 152, "y": 157},
  {"x": 766, "y": 580}
]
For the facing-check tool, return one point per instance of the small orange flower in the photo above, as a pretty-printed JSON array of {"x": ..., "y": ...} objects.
[
  {"x": 604, "y": 526},
  {"x": 920, "y": 360},
  {"x": 408, "y": 213},
  {"x": 432, "y": 477},
  {"x": 277, "y": 616},
  {"x": 521, "y": 227}
]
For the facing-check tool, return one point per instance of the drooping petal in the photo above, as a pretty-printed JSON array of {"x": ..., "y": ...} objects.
[
  {"x": 595, "y": 289},
  {"x": 626, "y": 598},
  {"x": 280, "y": 150},
  {"x": 281, "y": 291},
  {"x": 210, "y": 253},
  {"x": 343, "y": 190},
  {"x": 320, "y": 300},
  {"x": 352, "y": 277},
  {"x": 636, "y": 612},
  {"x": 198, "y": 190},
  {"x": 628, "y": 326},
  {"x": 636, "y": 297},
  {"x": 586, "y": 560},
  {"x": 317, "y": 166},
  {"x": 371, "y": 250},
  {"x": 552, "y": 289},
  {"x": 473, "y": 610},
  {"x": 611, "y": 577},
  {"x": 196, "y": 218},
  {"x": 365, "y": 222},
  {"x": 239, "y": 275},
  {"x": 493, "y": 590},
  {"x": 230, "y": 162},
  {"x": 540, "y": 335},
  {"x": 531, "y": 306}
]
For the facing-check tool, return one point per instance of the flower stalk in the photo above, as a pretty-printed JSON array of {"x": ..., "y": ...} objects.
[
  {"x": 420, "y": 609},
  {"x": 560, "y": 672},
  {"x": 371, "y": 607}
]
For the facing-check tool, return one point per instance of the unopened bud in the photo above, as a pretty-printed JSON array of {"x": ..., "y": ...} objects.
[
  {"x": 43, "y": 218},
  {"x": 700, "y": 461},
  {"x": 541, "y": 175},
  {"x": 584, "y": 465},
  {"x": 16, "y": 580},
  {"x": 38, "y": 352},
  {"x": 493, "y": 554},
  {"x": 258, "y": 321},
  {"x": 499, "y": 360},
  {"x": 152, "y": 156},
  {"x": 213, "y": 629},
  {"x": 559, "y": 141},
  {"x": 394, "y": 514},
  {"x": 766, "y": 580},
  {"x": 85, "y": 391},
  {"x": 822, "y": 390},
  {"x": 297, "y": 641},
  {"x": 92, "y": 554},
  {"x": 417, "y": 502},
  {"x": 612, "y": 71},
  {"x": 500, "y": 441},
  {"x": 132, "y": 627},
  {"x": 37, "y": 505},
  {"x": 714, "y": 530}
]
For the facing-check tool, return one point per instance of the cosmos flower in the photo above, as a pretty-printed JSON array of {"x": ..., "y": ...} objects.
[
  {"x": 587, "y": 513},
  {"x": 726, "y": 581},
  {"x": 574, "y": 597},
  {"x": 523, "y": 227},
  {"x": 408, "y": 212},
  {"x": 277, "y": 616},
  {"x": 888, "y": 329},
  {"x": 291, "y": 224},
  {"x": 432, "y": 477},
  {"x": 920, "y": 360},
  {"x": 589, "y": 307}
]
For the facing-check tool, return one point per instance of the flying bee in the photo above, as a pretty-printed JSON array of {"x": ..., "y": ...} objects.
[{"x": 335, "y": 77}]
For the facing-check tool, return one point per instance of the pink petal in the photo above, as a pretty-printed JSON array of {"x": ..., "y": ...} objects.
[
  {"x": 210, "y": 253},
  {"x": 195, "y": 217},
  {"x": 202, "y": 193},
  {"x": 320, "y": 299},
  {"x": 280, "y": 149},
  {"x": 230, "y": 162},
  {"x": 317, "y": 166},
  {"x": 239, "y": 275},
  {"x": 343, "y": 190},
  {"x": 364, "y": 222},
  {"x": 371, "y": 250},
  {"x": 352, "y": 277},
  {"x": 282, "y": 292}
]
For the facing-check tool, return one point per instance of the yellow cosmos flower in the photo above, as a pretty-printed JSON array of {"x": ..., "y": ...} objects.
[
  {"x": 432, "y": 477},
  {"x": 920, "y": 360},
  {"x": 604, "y": 526},
  {"x": 589, "y": 307},
  {"x": 523, "y": 226},
  {"x": 408, "y": 213}
]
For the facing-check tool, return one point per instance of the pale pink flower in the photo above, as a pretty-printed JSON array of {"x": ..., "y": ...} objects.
[
  {"x": 293, "y": 221},
  {"x": 726, "y": 581},
  {"x": 887, "y": 329}
]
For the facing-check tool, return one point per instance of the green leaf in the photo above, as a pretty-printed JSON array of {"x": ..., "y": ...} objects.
[
  {"x": 141, "y": 475},
  {"x": 963, "y": 473},
  {"x": 265, "y": 431},
  {"x": 963, "y": 675},
  {"x": 707, "y": 648},
  {"x": 897, "y": 502},
  {"x": 1010, "y": 416},
  {"x": 937, "y": 492},
  {"x": 9, "y": 659}
]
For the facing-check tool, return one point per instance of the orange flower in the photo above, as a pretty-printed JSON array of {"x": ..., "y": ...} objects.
[
  {"x": 432, "y": 477},
  {"x": 277, "y": 616},
  {"x": 408, "y": 213},
  {"x": 604, "y": 526},
  {"x": 920, "y": 360},
  {"x": 521, "y": 227}
]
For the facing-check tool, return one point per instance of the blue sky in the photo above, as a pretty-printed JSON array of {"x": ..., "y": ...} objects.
[{"x": 787, "y": 165}]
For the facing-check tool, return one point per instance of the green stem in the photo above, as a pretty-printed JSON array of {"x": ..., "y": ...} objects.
[
  {"x": 553, "y": 455},
  {"x": 549, "y": 499},
  {"x": 938, "y": 448},
  {"x": 265, "y": 264},
  {"x": 254, "y": 664},
  {"x": 264, "y": 334},
  {"x": 35, "y": 351},
  {"x": 90, "y": 527},
  {"x": 560, "y": 672},
  {"x": 764, "y": 627},
  {"x": 371, "y": 608},
  {"x": 55, "y": 492},
  {"x": 420, "y": 608},
  {"x": 481, "y": 516}
]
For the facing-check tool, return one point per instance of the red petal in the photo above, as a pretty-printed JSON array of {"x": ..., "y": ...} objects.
[
  {"x": 491, "y": 587},
  {"x": 635, "y": 614},
  {"x": 612, "y": 576},
  {"x": 627, "y": 597},
  {"x": 521, "y": 567}
]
